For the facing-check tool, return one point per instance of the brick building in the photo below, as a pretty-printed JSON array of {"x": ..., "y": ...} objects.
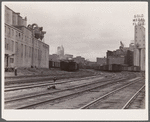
[
  {"x": 123, "y": 56},
  {"x": 101, "y": 61},
  {"x": 22, "y": 46}
]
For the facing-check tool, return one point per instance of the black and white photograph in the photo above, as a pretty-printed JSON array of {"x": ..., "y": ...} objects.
[{"x": 74, "y": 60}]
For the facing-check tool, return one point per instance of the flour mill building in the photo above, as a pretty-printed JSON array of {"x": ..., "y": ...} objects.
[{"x": 23, "y": 44}]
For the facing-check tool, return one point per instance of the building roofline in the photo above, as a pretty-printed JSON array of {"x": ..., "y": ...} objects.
[
  {"x": 22, "y": 26},
  {"x": 13, "y": 27},
  {"x": 14, "y": 12}
]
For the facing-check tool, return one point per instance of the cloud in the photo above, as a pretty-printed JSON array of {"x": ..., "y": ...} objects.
[{"x": 88, "y": 29}]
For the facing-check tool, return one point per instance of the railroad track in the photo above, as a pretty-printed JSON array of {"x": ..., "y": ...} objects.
[
  {"x": 28, "y": 79},
  {"x": 46, "y": 93},
  {"x": 78, "y": 90},
  {"x": 40, "y": 84},
  {"x": 98, "y": 102},
  {"x": 43, "y": 92},
  {"x": 128, "y": 104}
]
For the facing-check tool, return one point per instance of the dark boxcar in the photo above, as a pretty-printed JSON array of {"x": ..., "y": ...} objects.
[
  {"x": 136, "y": 68},
  {"x": 129, "y": 68},
  {"x": 69, "y": 66},
  {"x": 72, "y": 66},
  {"x": 125, "y": 68},
  {"x": 110, "y": 67},
  {"x": 63, "y": 65},
  {"x": 115, "y": 67},
  {"x": 50, "y": 64},
  {"x": 53, "y": 64},
  {"x": 57, "y": 64},
  {"x": 101, "y": 68},
  {"x": 105, "y": 67}
]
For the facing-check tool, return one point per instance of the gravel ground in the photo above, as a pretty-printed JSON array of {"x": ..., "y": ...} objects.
[
  {"x": 78, "y": 101},
  {"x": 139, "y": 102},
  {"x": 44, "y": 88},
  {"x": 119, "y": 99}
]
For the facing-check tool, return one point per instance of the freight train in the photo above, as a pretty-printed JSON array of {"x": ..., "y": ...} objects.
[
  {"x": 65, "y": 65},
  {"x": 118, "y": 68},
  {"x": 69, "y": 66}
]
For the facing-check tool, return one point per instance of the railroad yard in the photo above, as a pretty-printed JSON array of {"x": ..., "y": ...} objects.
[{"x": 84, "y": 89}]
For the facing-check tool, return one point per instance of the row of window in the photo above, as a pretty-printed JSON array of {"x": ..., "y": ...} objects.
[
  {"x": 9, "y": 45},
  {"x": 27, "y": 50},
  {"x": 11, "y": 33}
]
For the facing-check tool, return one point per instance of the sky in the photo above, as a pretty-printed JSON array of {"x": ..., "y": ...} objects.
[{"x": 86, "y": 29}]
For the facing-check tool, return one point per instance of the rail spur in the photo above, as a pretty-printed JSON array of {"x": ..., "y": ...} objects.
[{"x": 127, "y": 104}]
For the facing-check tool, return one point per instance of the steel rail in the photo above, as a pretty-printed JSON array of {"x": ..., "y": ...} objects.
[
  {"x": 41, "y": 82},
  {"x": 106, "y": 95},
  {"x": 126, "y": 106},
  {"x": 70, "y": 79},
  {"x": 39, "y": 85},
  {"x": 46, "y": 93},
  {"x": 60, "y": 97}
]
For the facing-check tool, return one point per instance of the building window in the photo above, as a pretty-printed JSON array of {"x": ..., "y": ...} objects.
[
  {"x": 29, "y": 51},
  {"x": 11, "y": 60},
  {"x": 12, "y": 45},
  {"x": 12, "y": 32},
  {"x": 7, "y": 47},
  {"x": 9, "y": 31},
  {"x": 5, "y": 43},
  {"x": 5, "y": 29},
  {"x": 21, "y": 50},
  {"x": 19, "y": 35},
  {"x": 16, "y": 33},
  {"x": 16, "y": 47},
  {"x": 25, "y": 50}
]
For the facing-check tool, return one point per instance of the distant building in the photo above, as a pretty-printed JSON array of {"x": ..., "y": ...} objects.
[
  {"x": 79, "y": 59},
  {"x": 53, "y": 57},
  {"x": 139, "y": 50},
  {"x": 23, "y": 44},
  {"x": 115, "y": 60},
  {"x": 101, "y": 61},
  {"x": 123, "y": 56},
  {"x": 129, "y": 58},
  {"x": 90, "y": 64},
  {"x": 60, "y": 52},
  {"x": 68, "y": 56}
]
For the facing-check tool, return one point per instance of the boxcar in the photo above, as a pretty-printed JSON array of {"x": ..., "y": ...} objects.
[
  {"x": 69, "y": 66},
  {"x": 115, "y": 68},
  {"x": 105, "y": 67},
  {"x": 136, "y": 68},
  {"x": 53, "y": 64},
  {"x": 124, "y": 68}
]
